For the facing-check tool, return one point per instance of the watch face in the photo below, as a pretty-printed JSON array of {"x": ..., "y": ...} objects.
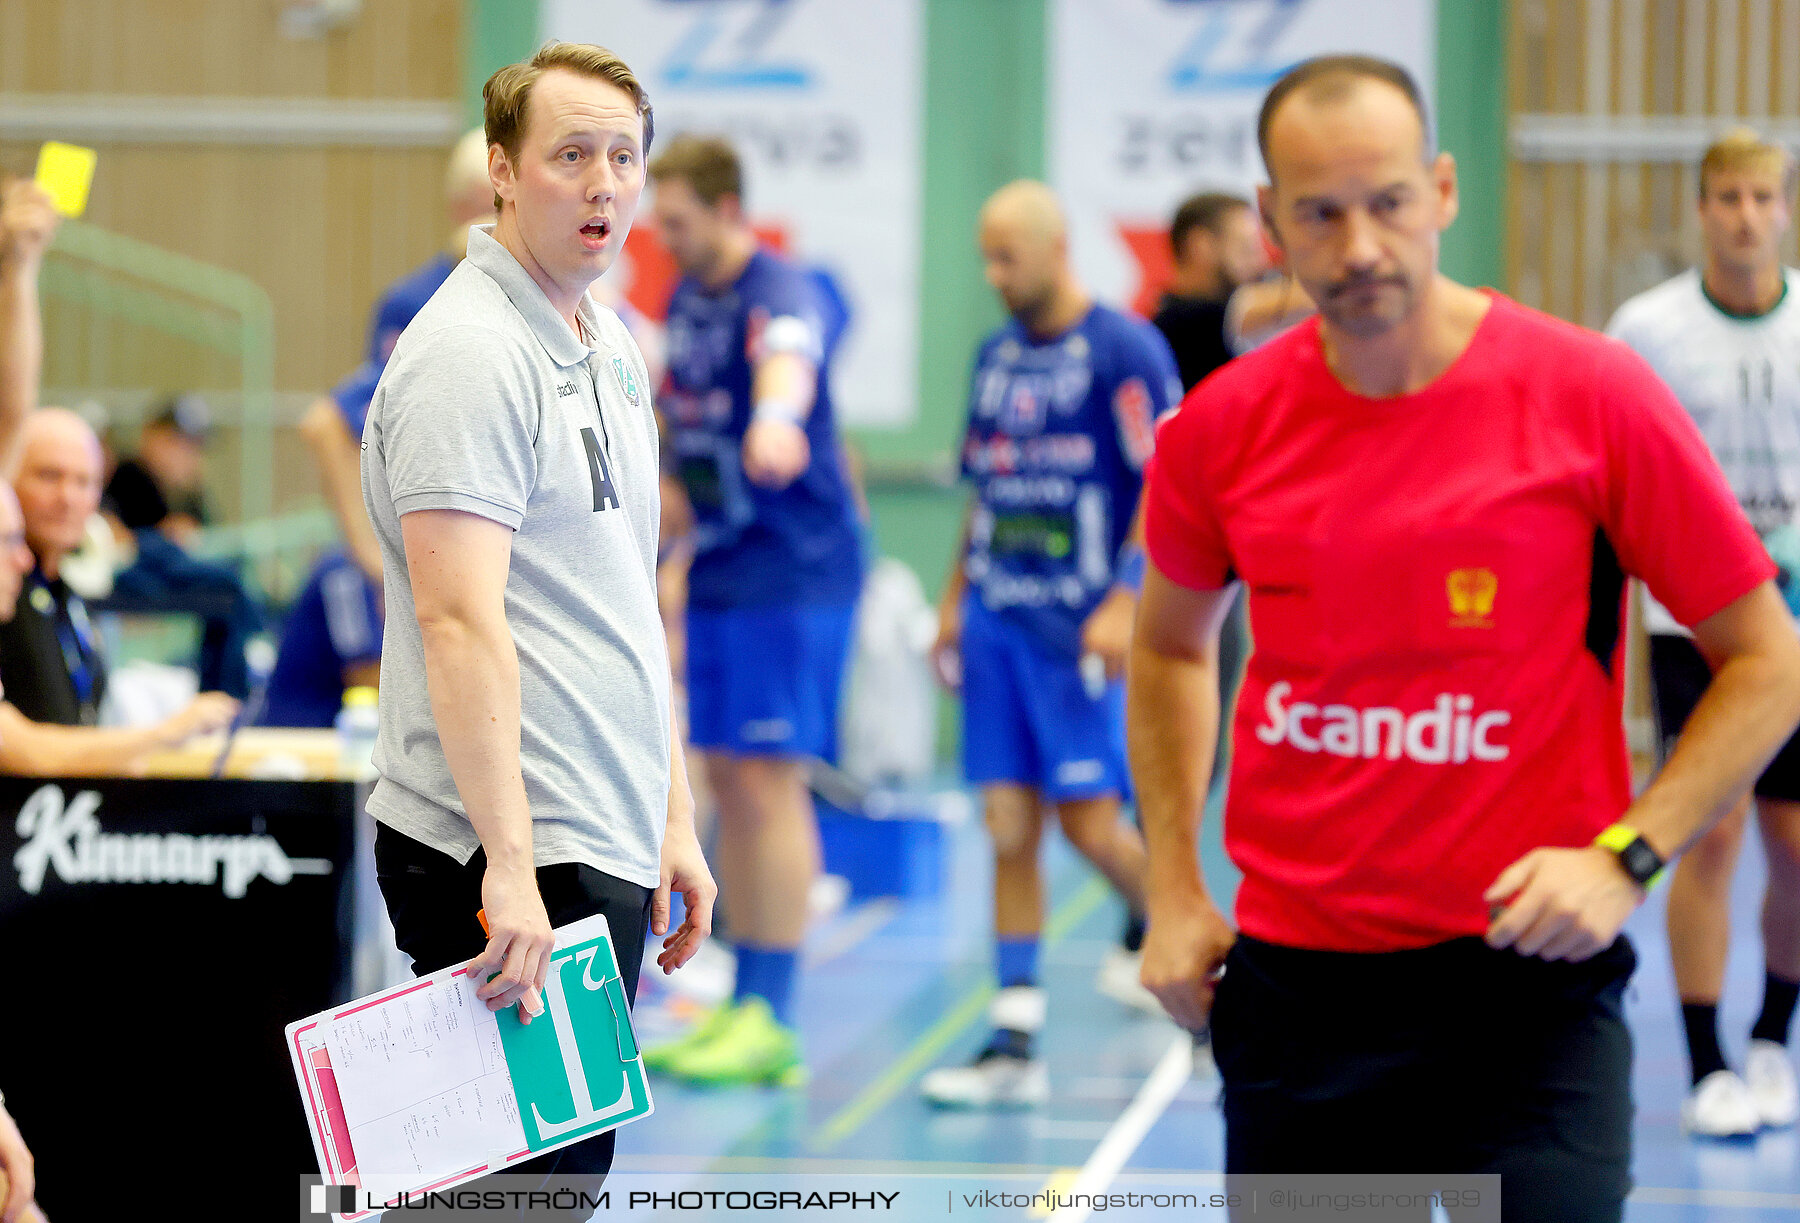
[{"x": 1641, "y": 862}]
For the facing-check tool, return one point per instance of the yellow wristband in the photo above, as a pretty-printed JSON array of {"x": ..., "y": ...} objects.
[{"x": 1616, "y": 837}]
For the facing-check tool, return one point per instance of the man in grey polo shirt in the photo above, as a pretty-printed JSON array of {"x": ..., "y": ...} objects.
[{"x": 510, "y": 470}]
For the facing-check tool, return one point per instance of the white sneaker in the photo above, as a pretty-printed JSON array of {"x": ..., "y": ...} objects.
[
  {"x": 1118, "y": 980},
  {"x": 1720, "y": 1106},
  {"x": 706, "y": 979},
  {"x": 1770, "y": 1077},
  {"x": 993, "y": 1080}
]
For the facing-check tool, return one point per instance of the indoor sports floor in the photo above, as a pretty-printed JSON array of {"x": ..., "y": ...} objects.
[{"x": 893, "y": 987}]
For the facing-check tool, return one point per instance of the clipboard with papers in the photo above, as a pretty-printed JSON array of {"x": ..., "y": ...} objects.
[{"x": 420, "y": 1087}]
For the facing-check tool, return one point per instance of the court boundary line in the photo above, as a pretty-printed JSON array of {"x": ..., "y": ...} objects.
[{"x": 1161, "y": 1086}]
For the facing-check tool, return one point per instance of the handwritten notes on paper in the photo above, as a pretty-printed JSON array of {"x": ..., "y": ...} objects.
[{"x": 425, "y": 1085}]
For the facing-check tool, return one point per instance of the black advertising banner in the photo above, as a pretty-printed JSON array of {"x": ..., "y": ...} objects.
[{"x": 160, "y": 934}]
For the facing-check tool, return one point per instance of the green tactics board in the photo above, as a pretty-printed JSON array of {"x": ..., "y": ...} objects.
[{"x": 575, "y": 1069}]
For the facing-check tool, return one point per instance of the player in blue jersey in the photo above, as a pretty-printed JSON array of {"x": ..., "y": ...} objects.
[
  {"x": 330, "y": 643},
  {"x": 772, "y": 589},
  {"x": 1038, "y": 607},
  {"x": 332, "y": 638},
  {"x": 333, "y": 425}
]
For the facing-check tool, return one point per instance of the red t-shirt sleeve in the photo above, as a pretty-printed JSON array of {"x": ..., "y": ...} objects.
[
  {"x": 1181, "y": 531},
  {"x": 1668, "y": 509}
]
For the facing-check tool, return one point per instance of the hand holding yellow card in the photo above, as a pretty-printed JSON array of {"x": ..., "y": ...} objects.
[{"x": 66, "y": 171}]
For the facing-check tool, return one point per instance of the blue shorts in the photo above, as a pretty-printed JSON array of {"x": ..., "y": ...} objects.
[
  {"x": 765, "y": 681},
  {"x": 1027, "y": 718}
]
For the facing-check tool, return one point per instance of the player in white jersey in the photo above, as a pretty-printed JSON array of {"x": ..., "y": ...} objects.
[{"x": 1726, "y": 339}]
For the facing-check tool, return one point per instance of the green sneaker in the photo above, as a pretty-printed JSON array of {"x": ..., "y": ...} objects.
[
  {"x": 661, "y": 1057},
  {"x": 750, "y": 1047}
]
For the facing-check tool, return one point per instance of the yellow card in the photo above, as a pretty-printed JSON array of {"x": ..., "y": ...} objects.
[{"x": 66, "y": 171}]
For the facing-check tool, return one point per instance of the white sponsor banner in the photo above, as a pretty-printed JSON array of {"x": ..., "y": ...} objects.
[
  {"x": 822, "y": 99},
  {"x": 1151, "y": 101},
  {"x": 64, "y": 837}
]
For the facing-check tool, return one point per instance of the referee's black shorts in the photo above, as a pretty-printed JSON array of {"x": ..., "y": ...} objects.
[
  {"x": 1453, "y": 1058},
  {"x": 1679, "y": 674}
]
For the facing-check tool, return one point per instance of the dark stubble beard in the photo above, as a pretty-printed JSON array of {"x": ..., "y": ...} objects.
[
  {"x": 1033, "y": 311},
  {"x": 1366, "y": 324}
]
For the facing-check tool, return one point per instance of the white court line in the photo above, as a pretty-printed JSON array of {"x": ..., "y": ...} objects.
[
  {"x": 1153, "y": 1098},
  {"x": 856, "y": 926}
]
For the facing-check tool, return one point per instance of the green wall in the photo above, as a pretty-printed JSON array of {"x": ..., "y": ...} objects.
[
  {"x": 1471, "y": 117},
  {"x": 495, "y": 33},
  {"x": 984, "y": 127}
]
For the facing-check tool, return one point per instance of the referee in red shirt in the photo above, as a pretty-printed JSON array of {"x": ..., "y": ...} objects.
[{"x": 1433, "y": 497}]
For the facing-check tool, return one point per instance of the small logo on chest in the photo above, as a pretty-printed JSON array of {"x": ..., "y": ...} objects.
[
  {"x": 1472, "y": 593},
  {"x": 564, "y": 390},
  {"x": 628, "y": 382}
]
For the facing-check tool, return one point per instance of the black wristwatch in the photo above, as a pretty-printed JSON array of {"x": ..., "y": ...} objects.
[{"x": 1636, "y": 855}]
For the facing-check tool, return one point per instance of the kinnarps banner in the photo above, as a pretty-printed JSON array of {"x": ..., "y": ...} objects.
[
  {"x": 1153, "y": 100},
  {"x": 823, "y": 101}
]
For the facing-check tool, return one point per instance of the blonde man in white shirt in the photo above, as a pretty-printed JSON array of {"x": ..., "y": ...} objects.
[{"x": 1726, "y": 338}]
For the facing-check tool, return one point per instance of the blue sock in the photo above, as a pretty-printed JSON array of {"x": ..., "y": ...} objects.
[
  {"x": 1017, "y": 961},
  {"x": 767, "y": 973}
]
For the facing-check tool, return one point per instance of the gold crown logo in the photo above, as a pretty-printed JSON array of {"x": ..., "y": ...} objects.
[{"x": 1472, "y": 593}]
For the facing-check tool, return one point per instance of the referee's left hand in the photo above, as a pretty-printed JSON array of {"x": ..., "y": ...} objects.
[
  {"x": 1184, "y": 954},
  {"x": 1561, "y": 904}
]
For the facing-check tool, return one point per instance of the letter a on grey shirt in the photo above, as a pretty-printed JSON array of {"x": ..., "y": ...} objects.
[{"x": 491, "y": 405}]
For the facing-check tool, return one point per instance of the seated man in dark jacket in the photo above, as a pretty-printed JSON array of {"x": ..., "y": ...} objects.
[
  {"x": 30, "y": 747},
  {"x": 156, "y": 496},
  {"x": 160, "y": 486},
  {"x": 49, "y": 652}
]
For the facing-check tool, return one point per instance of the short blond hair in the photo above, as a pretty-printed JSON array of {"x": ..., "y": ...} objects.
[
  {"x": 507, "y": 93},
  {"x": 1742, "y": 149}
]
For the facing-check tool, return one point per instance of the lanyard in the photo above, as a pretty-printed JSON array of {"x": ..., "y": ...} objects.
[{"x": 74, "y": 634}]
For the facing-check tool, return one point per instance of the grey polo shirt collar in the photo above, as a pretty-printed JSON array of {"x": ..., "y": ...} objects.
[{"x": 552, "y": 331}]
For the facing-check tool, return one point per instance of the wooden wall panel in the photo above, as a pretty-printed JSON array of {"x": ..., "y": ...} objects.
[
  {"x": 1585, "y": 235},
  {"x": 392, "y": 49},
  {"x": 322, "y": 231},
  {"x": 1586, "y": 232},
  {"x": 321, "y": 228}
]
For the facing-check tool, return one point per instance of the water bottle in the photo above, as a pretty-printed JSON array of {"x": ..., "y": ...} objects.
[{"x": 357, "y": 725}]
